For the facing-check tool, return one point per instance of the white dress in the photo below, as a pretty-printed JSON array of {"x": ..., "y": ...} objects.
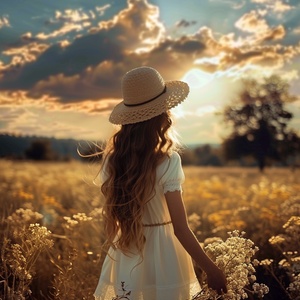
[{"x": 166, "y": 272}]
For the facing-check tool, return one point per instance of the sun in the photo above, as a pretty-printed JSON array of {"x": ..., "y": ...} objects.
[
  {"x": 197, "y": 106},
  {"x": 196, "y": 78}
]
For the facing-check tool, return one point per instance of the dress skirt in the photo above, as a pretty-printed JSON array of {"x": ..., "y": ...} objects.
[{"x": 165, "y": 273}]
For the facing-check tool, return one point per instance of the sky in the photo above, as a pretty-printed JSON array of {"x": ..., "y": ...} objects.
[{"x": 61, "y": 62}]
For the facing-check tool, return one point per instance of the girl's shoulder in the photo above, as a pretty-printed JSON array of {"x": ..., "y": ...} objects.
[
  {"x": 170, "y": 174},
  {"x": 171, "y": 163},
  {"x": 175, "y": 155},
  {"x": 172, "y": 158}
]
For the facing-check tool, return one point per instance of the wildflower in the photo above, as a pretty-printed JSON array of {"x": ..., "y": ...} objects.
[
  {"x": 266, "y": 262},
  {"x": 17, "y": 260},
  {"x": 294, "y": 287},
  {"x": 278, "y": 239},
  {"x": 194, "y": 221},
  {"x": 293, "y": 224},
  {"x": 234, "y": 257},
  {"x": 82, "y": 217},
  {"x": 212, "y": 240},
  {"x": 260, "y": 289},
  {"x": 291, "y": 207},
  {"x": 22, "y": 216},
  {"x": 39, "y": 236},
  {"x": 25, "y": 195},
  {"x": 21, "y": 256},
  {"x": 76, "y": 220},
  {"x": 96, "y": 213},
  {"x": 70, "y": 222}
]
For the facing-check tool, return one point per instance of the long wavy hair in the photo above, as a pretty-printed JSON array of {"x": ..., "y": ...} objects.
[{"x": 130, "y": 161}]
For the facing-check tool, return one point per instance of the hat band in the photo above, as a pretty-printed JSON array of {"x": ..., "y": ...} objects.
[{"x": 147, "y": 101}]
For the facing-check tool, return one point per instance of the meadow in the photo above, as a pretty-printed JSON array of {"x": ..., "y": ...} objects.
[{"x": 51, "y": 234}]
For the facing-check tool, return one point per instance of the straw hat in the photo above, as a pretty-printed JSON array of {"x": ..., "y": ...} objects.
[{"x": 146, "y": 95}]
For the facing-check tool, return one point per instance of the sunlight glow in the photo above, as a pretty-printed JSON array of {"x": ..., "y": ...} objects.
[
  {"x": 196, "y": 78},
  {"x": 207, "y": 109}
]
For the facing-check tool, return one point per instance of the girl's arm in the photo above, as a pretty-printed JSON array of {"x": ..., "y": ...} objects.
[{"x": 215, "y": 277}]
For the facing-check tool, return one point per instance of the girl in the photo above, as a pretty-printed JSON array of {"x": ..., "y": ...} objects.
[{"x": 150, "y": 242}]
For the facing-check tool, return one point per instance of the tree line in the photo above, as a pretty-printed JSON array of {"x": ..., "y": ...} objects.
[{"x": 18, "y": 147}]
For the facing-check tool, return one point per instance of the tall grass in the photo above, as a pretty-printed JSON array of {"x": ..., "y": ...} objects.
[{"x": 51, "y": 230}]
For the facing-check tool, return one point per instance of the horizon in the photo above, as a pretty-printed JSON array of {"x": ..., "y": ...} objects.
[{"x": 190, "y": 146}]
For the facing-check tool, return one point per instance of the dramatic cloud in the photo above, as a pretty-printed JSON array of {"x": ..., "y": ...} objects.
[
  {"x": 137, "y": 27},
  {"x": 101, "y": 82},
  {"x": 79, "y": 70},
  {"x": 90, "y": 66}
]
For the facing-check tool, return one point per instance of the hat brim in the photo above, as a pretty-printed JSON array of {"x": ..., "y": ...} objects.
[{"x": 176, "y": 92}]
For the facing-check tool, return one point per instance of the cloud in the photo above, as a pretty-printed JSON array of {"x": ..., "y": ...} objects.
[
  {"x": 4, "y": 22},
  {"x": 72, "y": 16},
  {"x": 278, "y": 6},
  {"x": 79, "y": 16},
  {"x": 137, "y": 26},
  {"x": 257, "y": 48},
  {"x": 66, "y": 28},
  {"x": 19, "y": 119},
  {"x": 95, "y": 83},
  {"x": 296, "y": 30},
  {"x": 39, "y": 121},
  {"x": 88, "y": 68},
  {"x": 8, "y": 115},
  {"x": 26, "y": 53},
  {"x": 252, "y": 22},
  {"x": 83, "y": 52},
  {"x": 187, "y": 45},
  {"x": 101, "y": 9},
  {"x": 184, "y": 23},
  {"x": 62, "y": 66},
  {"x": 235, "y": 4},
  {"x": 71, "y": 20}
]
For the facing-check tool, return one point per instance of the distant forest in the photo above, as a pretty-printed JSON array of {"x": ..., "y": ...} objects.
[
  {"x": 51, "y": 149},
  {"x": 38, "y": 148}
]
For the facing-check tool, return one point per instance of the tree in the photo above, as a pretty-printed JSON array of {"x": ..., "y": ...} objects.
[
  {"x": 40, "y": 149},
  {"x": 259, "y": 122},
  {"x": 206, "y": 156}
]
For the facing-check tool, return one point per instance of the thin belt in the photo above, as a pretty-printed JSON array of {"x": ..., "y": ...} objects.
[{"x": 157, "y": 224}]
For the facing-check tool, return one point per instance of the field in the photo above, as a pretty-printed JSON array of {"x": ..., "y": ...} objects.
[{"x": 51, "y": 233}]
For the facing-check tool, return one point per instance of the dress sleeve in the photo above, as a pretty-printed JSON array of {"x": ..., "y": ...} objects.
[
  {"x": 174, "y": 176},
  {"x": 103, "y": 175}
]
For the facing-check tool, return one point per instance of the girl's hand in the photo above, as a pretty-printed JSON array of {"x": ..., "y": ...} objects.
[{"x": 217, "y": 280}]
